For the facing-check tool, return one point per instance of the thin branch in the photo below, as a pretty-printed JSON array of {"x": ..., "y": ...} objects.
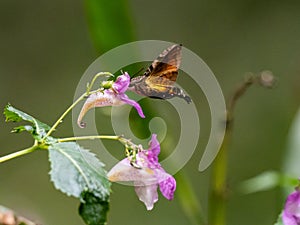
[
  {"x": 63, "y": 115},
  {"x": 88, "y": 92},
  {"x": 219, "y": 191},
  {"x": 111, "y": 137},
  {"x": 18, "y": 153},
  {"x": 89, "y": 86}
]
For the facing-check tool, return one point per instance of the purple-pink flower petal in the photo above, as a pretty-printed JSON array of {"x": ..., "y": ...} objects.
[
  {"x": 110, "y": 97},
  {"x": 291, "y": 212},
  {"x": 153, "y": 152},
  {"x": 122, "y": 83},
  {"x": 124, "y": 171},
  {"x": 124, "y": 98},
  {"x": 147, "y": 177},
  {"x": 147, "y": 194},
  {"x": 99, "y": 99},
  {"x": 168, "y": 187}
]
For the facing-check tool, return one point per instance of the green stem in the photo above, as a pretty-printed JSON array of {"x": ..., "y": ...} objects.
[
  {"x": 121, "y": 139},
  {"x": 63, "y": 115},
  {"x": 219, "y": 193},
  {"x": 89, "y": 86},
  {"x": 111, "y": 137},
  {"x": 219, "y": 189},
  {"x": 18, "y": 153},
  {"x": 88, "y": 92},
  {"x": 37, "y": 145},
  {"x": 188, "y": 200},
  {"x": 66, "y": 112}
]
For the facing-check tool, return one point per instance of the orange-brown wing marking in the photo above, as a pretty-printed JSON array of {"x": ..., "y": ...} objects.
[{"x": 164, "y": 70}]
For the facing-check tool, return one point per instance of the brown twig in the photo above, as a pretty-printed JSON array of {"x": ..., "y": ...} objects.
[
  {"x": 264, "y": 78},
  {"x": 9, "y": 217}
]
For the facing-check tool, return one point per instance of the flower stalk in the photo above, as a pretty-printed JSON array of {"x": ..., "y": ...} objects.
[
  {"x": 101, "y": 74},
  {"x": 18, "y": 153},
  {"x": 93, "y": 137},
  {"x": 88, "y": 92},
  {"x": 219, "y": 188},
  {"x": 42, "y": 143}
]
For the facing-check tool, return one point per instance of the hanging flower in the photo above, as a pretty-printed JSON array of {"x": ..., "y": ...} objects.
[
  {"x": 113, "y": 96},
  {"x": 291, "y": 212},
  {"x": 146, "y": 175}
]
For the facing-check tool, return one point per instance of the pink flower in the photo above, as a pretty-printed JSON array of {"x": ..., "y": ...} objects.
[
  {"x": 113, "y": 96},
  {"x": 147, "y": 177},
  {"x": 291, "y": 212}
]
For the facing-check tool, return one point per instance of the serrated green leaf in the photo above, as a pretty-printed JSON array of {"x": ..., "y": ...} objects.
[
  {"x": 75, "y": 170},
  {"x": 93, "y": 210},
  {"x": 38, "y": 130}
]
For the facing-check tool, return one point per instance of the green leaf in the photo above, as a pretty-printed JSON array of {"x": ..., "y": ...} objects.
[
  {"x": 109, "y": 23},
  {"x": 262, "y": 182},
  {"x": 75, "y": 170},
  {"x": 19, "y": 129},
  {"x": 291, "y": 165},
  {"x": 38, "y": 130},
  {"x": 93, "y": 210},
  {"x": 266, "y": 181}
]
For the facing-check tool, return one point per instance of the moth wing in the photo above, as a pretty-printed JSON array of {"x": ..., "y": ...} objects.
[{"x": 162, "y": 73}]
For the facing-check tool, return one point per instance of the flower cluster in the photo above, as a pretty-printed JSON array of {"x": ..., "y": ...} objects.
[{"x": 146, "y": 173}]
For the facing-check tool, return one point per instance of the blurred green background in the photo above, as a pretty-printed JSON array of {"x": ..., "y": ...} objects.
[{"x": 45, "y": 47}]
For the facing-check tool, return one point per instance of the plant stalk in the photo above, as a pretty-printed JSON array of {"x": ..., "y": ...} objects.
[
  {"x": 219, "y": 193},
  {"x": 87, "y": 93},
  {"x": 18, "y": 153},
  {"x": 111, "y": 137}
]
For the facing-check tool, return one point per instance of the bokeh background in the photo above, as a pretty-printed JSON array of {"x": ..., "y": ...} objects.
[{"x": 45, "y": 47}]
